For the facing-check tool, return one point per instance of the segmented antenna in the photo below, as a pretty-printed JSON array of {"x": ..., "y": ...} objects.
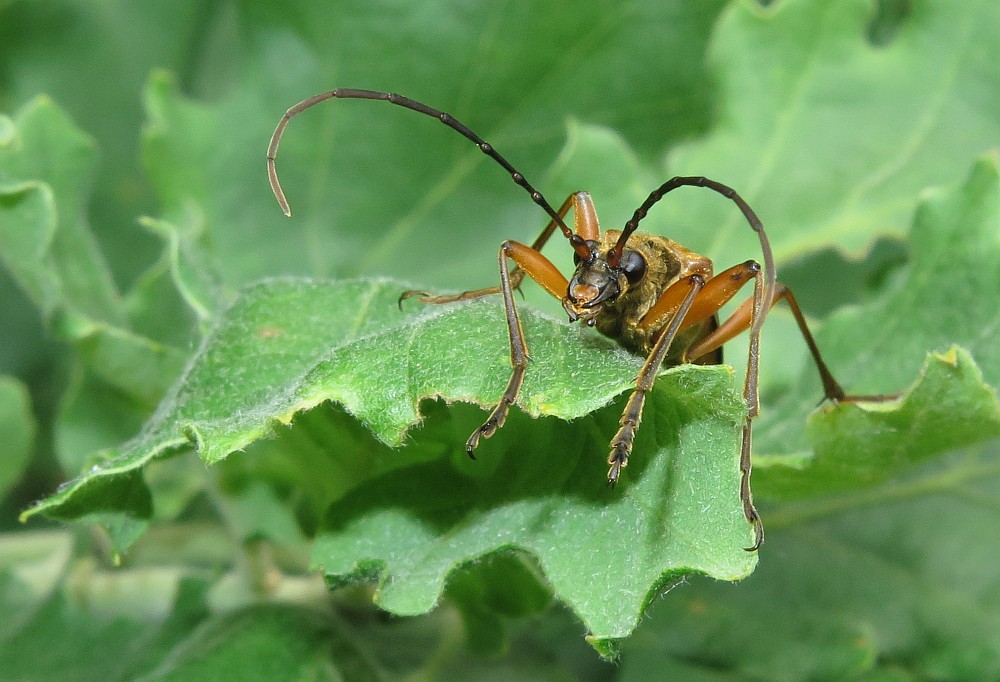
[
  {"x": 347, "y": 93},
  {"x": 614, "y": 257}
]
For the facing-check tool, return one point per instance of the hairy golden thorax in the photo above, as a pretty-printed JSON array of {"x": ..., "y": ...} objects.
[{"x": 666, "y": 263}]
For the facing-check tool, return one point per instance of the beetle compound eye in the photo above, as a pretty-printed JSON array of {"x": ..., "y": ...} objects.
[{"x": 634, "y": 266}]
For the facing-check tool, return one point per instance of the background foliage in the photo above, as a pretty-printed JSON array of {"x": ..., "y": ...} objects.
[{"x": 150, "y": 286}]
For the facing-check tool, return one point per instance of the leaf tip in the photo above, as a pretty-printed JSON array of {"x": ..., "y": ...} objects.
[{"x": 607, "y": 648}]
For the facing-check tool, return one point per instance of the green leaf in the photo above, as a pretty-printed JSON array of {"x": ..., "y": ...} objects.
[
  {"x": 45, "y": 168},
  {"x": 46, "y": 244},
  {"x": 25, "y": 253},
  {"x": 182, "y": 280},
  {"x": 867, "y": 559},
  {"x": 54, "y": 640},
  {"x": 267, "y": 642},
  {"x": 828, "y": 136},
  {"x": 864, "y": 444},
  {"x": 501, "y": 586},
  {"x": 93, "y": 416},
  {"x": 17, "y": 424},
  {"x": 895, "y": 583},
  {"x": 157, "y": 624},
  {"x": 954, "y": 404},
  {"x": 32, "y": 565},
  {"x": 64, "y": 640},
  {"x": 260, "y": 514},
  {"x": 120, "y": 42},
  {"x": 412, "y": 526},
  {"x": 288, "y": 345}
]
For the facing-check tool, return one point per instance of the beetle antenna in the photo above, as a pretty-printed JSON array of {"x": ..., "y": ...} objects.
[
  {"x": 485, "y": 147},
  {"x": 614, "y": 256}
]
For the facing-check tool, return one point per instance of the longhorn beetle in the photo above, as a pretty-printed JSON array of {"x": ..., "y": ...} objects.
[{"x": 648, "y": 292}]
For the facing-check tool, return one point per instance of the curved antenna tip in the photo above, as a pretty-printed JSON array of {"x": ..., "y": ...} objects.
[
  {"x": 282, "y": 202},
  {"x": 272, "y": 177}
]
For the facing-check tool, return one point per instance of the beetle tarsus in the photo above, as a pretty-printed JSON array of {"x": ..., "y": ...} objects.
[
  {"x": 621, "y": 444},
  {"x": 473, "y": 442},
  {"x": 496, "y": 419},
  {"x": 470, "y": 447},
  {"x": 618, "y": 461},
  {"x": 621, "y": 448},
  {"x": 758, "y": 527},
  {"x": 411, "y": 293}
]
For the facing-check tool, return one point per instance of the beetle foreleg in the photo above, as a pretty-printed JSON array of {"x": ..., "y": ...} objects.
[
  {"x": 540, "y": 269},
  {"x": 585, "y": 224},
  {"x": 621, "y": 444}
]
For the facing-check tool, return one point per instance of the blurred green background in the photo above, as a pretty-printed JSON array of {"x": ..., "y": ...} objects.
[{"x": 831, "y": 117}]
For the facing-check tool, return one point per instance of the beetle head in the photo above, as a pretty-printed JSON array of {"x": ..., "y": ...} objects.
[{"x": 596, "y": 283}]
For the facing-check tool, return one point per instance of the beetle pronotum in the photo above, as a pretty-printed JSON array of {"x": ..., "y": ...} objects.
[{"x": 651, "y": 294}]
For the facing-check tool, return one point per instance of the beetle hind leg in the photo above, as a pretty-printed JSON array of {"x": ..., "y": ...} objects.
[{"x": 586, "y": 227}]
